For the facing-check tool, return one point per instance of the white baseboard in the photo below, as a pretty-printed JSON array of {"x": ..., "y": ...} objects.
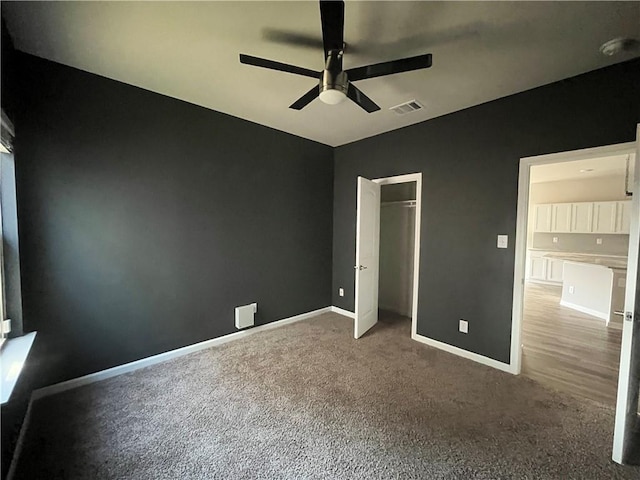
[
  {"x": 589, "y": 311},
  {"x": 163, "y": 357},
  {"x": 344, "y": 312},
  {"x": 505, "y": 367}
]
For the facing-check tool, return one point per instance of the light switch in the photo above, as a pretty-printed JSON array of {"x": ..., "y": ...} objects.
[
  {"x": 503, "y": 241},
  {"x": 341, "y": 292}
]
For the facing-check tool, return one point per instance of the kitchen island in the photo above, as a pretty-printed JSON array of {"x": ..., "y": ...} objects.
[{"x": 595, "y": 285}]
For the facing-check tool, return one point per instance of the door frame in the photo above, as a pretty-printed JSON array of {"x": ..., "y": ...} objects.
[
  {"x": 522, "y": 226},
  {"x": 411, "y": 177}
]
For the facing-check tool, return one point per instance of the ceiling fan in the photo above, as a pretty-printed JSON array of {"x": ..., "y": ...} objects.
[{"x": 335, "y": 84}]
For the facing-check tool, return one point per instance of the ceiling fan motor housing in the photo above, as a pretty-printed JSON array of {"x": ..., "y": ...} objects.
[{"x": 334, "y": 82}]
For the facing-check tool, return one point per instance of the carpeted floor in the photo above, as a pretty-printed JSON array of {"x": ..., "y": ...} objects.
[{"x": 307, "y": 401}]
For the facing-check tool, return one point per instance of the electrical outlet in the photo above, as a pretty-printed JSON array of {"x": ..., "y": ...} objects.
[
  {"x": 572, "y": 289},
  {"x": 503, "y": 241},
  {"x": 599, "y": 241},
  {"x": 555, "y": 239},
  {"x": 463, "y": 326},
  {"x": 341, "y": 292}
]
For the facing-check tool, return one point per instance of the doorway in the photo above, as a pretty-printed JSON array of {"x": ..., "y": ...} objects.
[
  {"x": 602, "y": 218},
  {"x": 387, "y": 250},
  {"x": 576, "y": 258},
  {"x": 397, "y": 238}
]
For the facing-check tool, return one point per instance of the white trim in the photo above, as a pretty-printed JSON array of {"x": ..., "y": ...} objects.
[
  {"x": 490, "y": 362},
  {"x": 627, "y": 399},
  {"x": 582, "y": 154},
  {"x": 524, "y": 178},
  {"x": 589, "y": 311},
  {"x": 412, "y": 177},
  {"x": 163, "y": 357},
  {"x": 13, "y": 356},
  {"x": 343, "y": 312}
]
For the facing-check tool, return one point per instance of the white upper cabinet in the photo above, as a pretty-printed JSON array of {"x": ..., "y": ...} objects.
[
  {"x": 561, "y": 217},
  {"x": 542, "y": 220},
  {"x": 581, "y": 214},
  {"x": 604, "y": 217},
  {"x": 583, "y": 217},
  {"x": 623, "y": 217}
]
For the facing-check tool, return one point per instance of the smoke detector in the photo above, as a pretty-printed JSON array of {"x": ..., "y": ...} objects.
[{"x": 618, "y": 45}]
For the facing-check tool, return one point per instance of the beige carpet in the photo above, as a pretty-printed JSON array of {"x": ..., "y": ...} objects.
[{"x": 308, "y": 401}]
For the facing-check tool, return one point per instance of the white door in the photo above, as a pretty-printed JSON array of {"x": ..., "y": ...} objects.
[
  {"x": 626, "y": 441},
  {"x": 367, "y": 255}
]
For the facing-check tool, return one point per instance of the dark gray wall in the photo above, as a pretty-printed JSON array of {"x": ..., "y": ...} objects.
[
  {"x": 145, "y": 220},
  {"x": 469, "y": 161}
]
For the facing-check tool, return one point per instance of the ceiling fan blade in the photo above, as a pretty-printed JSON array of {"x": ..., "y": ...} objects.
[
  {"x": 332, "y": 17},
  {"x": 306, "y": 99},
  {"x": 389, "y": 68},
  {"x": 291, "y": 38},
  {"x": 272, "y": 65},
  {"x": 361, "y": 99}
]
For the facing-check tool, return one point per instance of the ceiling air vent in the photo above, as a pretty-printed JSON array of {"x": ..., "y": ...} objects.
[{"x": 406, "y": 107}]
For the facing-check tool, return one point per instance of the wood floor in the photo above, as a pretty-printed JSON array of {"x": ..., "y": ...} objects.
[{"x": 568, "y": 350}]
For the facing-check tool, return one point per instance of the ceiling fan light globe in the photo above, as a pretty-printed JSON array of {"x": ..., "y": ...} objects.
[{"x": 332, "y": 96}]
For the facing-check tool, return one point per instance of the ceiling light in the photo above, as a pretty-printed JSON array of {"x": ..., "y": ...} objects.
[
  {"x": 332, "y": 96},
  {"x": 585, "y": 170}
]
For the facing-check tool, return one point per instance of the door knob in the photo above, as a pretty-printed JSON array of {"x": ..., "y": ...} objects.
[{"x": 359, "y": 267}]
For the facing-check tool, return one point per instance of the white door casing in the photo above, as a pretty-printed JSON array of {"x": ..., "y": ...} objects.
[
  {"x": 626, "y": 422},
  {"x": 367, "y": 256},
  {"x": 582, "y": 215}
]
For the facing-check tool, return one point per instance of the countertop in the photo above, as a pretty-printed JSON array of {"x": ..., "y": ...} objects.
[{"x": 609, "y": 261}]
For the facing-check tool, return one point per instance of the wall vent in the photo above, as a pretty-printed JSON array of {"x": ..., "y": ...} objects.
[{"x": 406, "y": 107}]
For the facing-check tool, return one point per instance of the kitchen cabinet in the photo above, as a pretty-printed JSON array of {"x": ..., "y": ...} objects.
[
  {"x": 604, "y": 217},
  {"x": 623, "y": 217},
  {"x": 581, "y": 214},
  {"x": 542, "y": 220},
  {"x": 543, "y": 269},
  {"x": 583, "y": 217},
  {"x": 561, "y": 217},
  {"x": 555, "y": 267},
  {"x": 537, "y": 268}
]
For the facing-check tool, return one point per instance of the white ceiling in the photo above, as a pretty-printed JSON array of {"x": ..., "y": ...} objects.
[
  {"x": 613, "y": 166},
  {"x": 189, "y": 50}
]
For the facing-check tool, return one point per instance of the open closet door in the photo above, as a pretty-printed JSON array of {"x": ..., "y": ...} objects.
[
  {"x": 367, "y": 255},
  {"x": 626, "y": 436}
]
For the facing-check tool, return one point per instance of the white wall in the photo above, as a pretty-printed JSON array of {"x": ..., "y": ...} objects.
[
  {"x": 397, "y": 226},
  {"x": 598, "y": 189}
]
